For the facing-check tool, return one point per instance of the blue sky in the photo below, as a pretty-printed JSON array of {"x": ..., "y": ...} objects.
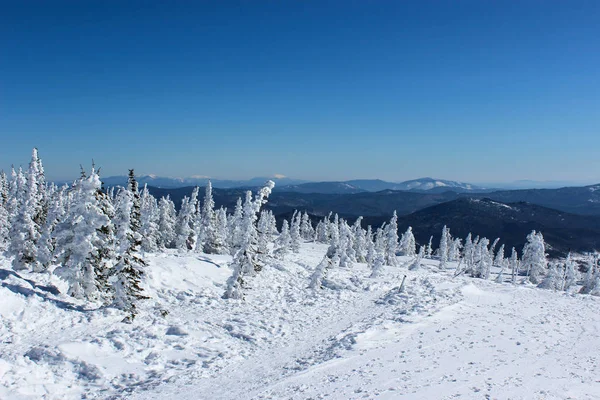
[{"x": 476, "y": 91}]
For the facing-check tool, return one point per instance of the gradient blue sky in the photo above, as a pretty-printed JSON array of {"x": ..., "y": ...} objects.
[{"x": 321, "y": 90}]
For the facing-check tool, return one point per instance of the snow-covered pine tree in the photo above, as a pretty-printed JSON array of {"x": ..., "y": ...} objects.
[
  {"x": 416, "y": 264},
  {"x": 26, "y": 224},
  {"x": 316, "y": 278},
  {"x": 84, "y": 241},
  {"x": 553, "y": 279},
  {"x": 167, "y": 221},
  {"x": 283, "y": 242},
  {"x": 499, "y": 260},
  {"x": 429, "y": 250},
  {"x": 235, "y": 228},
  {"x": 408, "y": 245},
  {"x": 129, "y": 269},
  {"x": 295, "y": 232},
  {"x": 360, "y": 241},
  {"x": 570, "y": 274},
  {"x": 263, "y": 235},
  {"x": 220, "y": 240},
  {"x": 4, "y": 227},
  {"x": 57, "y": 210},
  {"x": 370, "y": 247},
  {"x": 483, "y": 260},
  {"x": 391, "y": 245},
  {"x": 345, "y": 250},
  {"x": 149, "y": 219},
  {"x": 208, "y": 227},
  {"x": 514, "y": 266},
  {"x": 591, "y": 282},
  {"x": 245, "y": 262},
  {"x": 443, "y": 249},
  {"x": 186, "y": 228},
  {"x": 321, "y": 232},
  {"x": 534, "y": 257},
  {"x": 306, "y": 229},
  {"x": 455, "y": 248}
]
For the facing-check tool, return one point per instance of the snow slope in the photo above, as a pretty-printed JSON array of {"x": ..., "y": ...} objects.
[{"x": 359, "y": 337}]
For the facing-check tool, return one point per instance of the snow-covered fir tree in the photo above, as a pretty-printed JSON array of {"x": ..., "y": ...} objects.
[
  {"x": 534, "y": 257},
  {"x": 454, "y": 253},
  {"x": 416, "y": 263},
  {"x": 129, "y": 269},
  {"x": 167, "y": 221},
  {"x": 408, "y": 245},
  {"x": 553, "y": 279},
  {"x": 235, "y": 228},
  {"x": 360, "y": 241},
  {"x": 295, "y": 232},
  {"x": 570, "y": 274},
  {"x": 283, "y": 242},
  {"x": 245, "y": 262},
  {"x": 26, "y": 225},
  {"x": 320, "y": 272},
  {"x": 514, "y": 266},
  {"x": 591, "y": 282},
  {"x": 321, "y": 234},
  {"x": 208, "y": 230},
  {"x": 391, "y": 243},
  {"x": 429, "y": 249},
  {"x": 444, "y": 247},
  {"x": 85, "y": 242},
  {"x": 149, "y": 219},
  {"x": 307, "y": 231}
]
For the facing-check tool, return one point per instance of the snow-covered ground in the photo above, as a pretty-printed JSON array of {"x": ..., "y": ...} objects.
[{"x": 358, "y": 338}]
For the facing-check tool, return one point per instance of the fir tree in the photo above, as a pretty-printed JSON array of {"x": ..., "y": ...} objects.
[
  {"x": 534, "y": 257},
  {"x": 167, "y": 220},
  {"x": 391, "y": 241},
  {"x": 129, "y": 269},
  {"x": 408, "y": 245}
]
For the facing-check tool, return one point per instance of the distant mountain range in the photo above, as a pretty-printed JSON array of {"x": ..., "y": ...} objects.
[
  {"x": 172, "y": 183},
  {"x": 376, "y": 185}
]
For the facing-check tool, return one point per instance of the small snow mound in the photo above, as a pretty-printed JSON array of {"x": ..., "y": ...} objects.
[{"x": 176, "y": 331}]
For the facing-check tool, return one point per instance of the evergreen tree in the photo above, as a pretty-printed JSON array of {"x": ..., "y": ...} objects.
[
  {"x": 455, "y": 248},
  {"x": 235, "y": 228},
  {"x": 84, "y": 240},
  {"x": 443, "y": 250},
  {"x": 429, "y": 250},
  {"x": 306, "y": 229},
  {"x": 316, "y": 279},
  {"x": 283, "y": 242},
  {"x": 391, "y": 241},
  {"x": 149, "y": 219},
  {"x": 408, "y": 245},
  {"x": 212, "y": 243},
  {"x": 591, "y": 283},
  {"x": 25, "y": 225},
  {"x": 570, "y": 275},
  {"x": 514, "y": 266},
  {"x": 129, "y": 269},
  {"x": 167, "y": 220},
  {"x": 295, "y": 232},
  {"x": 553, "y": 279},
  {"x": 245, "y": 262},
  {"x": 416, "y": 264},
  {"x": 534, "y": 257},
  {"x": 360, "y": 241}
]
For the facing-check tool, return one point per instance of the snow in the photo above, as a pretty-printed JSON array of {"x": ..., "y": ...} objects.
[{"x": 359, "y": 337}]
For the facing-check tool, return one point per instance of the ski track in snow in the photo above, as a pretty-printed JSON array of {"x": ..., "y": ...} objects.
[{"x": 441, "y": 338}]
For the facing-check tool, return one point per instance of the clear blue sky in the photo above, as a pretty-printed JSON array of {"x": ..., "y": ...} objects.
[{"x": 466, "y": 90}]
